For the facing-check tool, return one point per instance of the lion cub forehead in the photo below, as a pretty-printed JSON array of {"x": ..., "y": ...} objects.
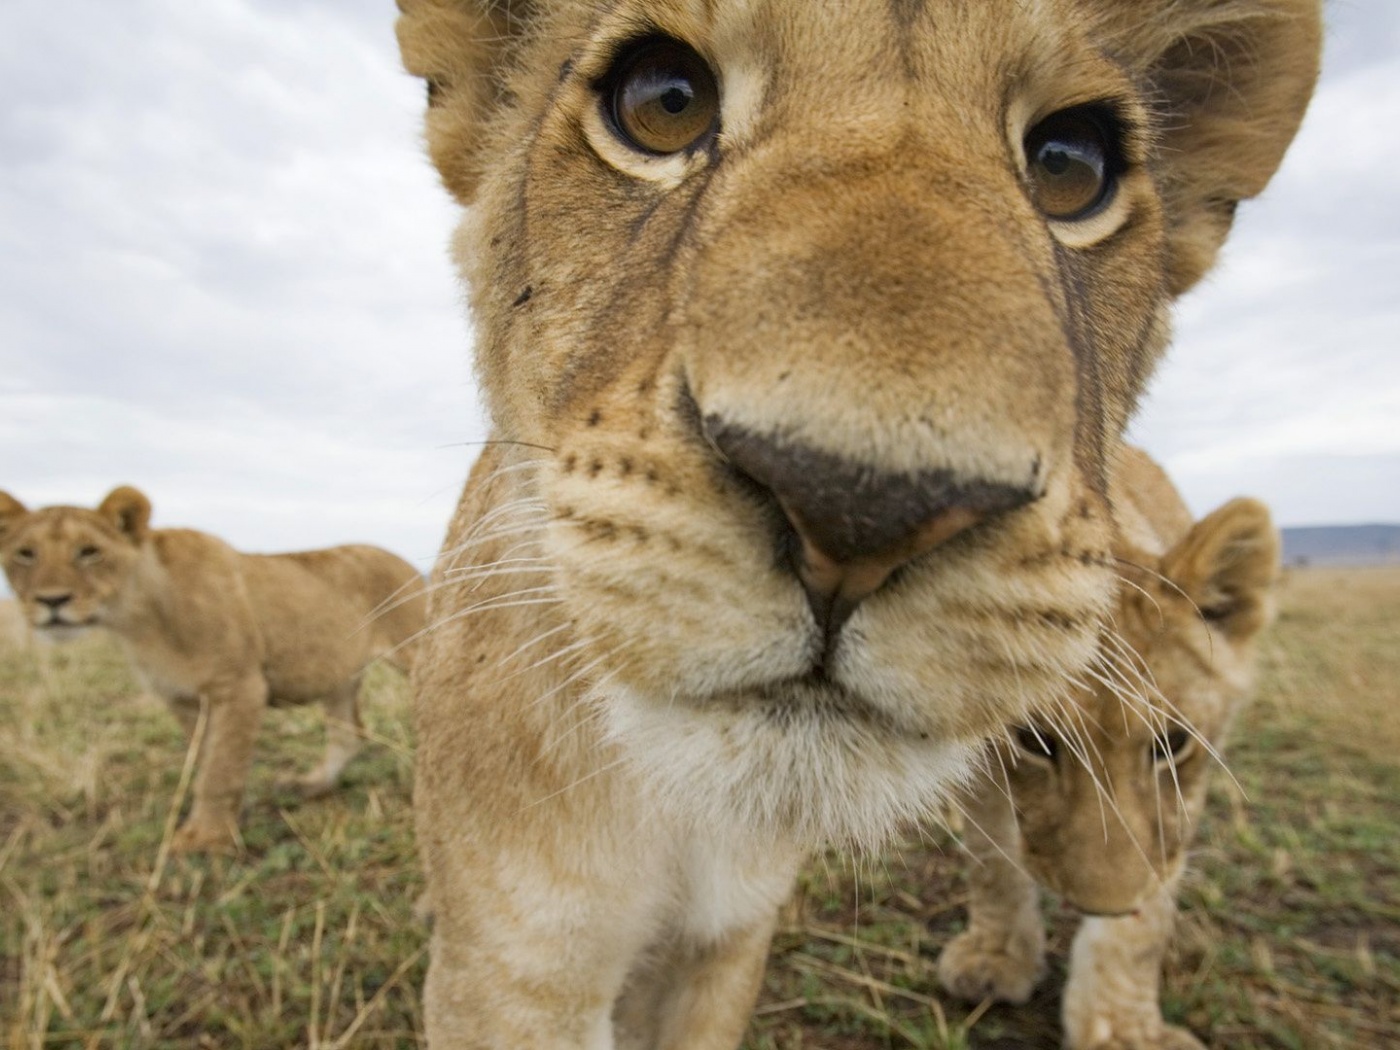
[
  {"x": 942, "y": 40},
  {"x": 843, "y": 65},
  {"x": 65, "y": 525}
]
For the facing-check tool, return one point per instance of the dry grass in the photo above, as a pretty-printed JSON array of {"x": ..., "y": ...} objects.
[
  {"x": 1335, "y": 659},
  {"x": 306, "y": 940},
  {"x": 1291, "y": 937}
]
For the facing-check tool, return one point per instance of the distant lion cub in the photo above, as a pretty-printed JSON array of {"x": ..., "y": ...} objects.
[
  {"x": 1101, "y": 806},
  {"x": 205, "y": 623}
]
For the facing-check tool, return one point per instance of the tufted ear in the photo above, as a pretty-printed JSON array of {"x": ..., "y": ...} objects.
[
  {"x": 462, "y": 49},
  {"x": 1231, "y": 80},
  {"x": 11, "y": 511},
  {"x": 1227, "y": 564},
  {"x": 129, "y": 510}
]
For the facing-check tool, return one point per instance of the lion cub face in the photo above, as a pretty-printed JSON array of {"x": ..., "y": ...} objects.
[
  {"x": 813, "y": 326},
  {"x": 67, "y": 564},
  {"x": 1106, "y": 801}
]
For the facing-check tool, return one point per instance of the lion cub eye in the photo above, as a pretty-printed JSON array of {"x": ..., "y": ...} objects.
[
  {"x": 1037, "y": 742},
  {"x": 1073, "y": 163},
  {"x": 662, "y": 97},
  {"x": 1173, "y": 746},
  {"x": 89, "y": 555},
  {"x": 23, "y": 556}
]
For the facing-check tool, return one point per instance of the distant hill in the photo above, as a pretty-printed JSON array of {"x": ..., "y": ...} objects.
[{"x": 1341, "y": 545}]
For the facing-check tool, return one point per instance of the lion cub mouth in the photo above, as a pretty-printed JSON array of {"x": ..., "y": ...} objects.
[
  {"x": 811, "y": 697},
  {"x": 58, "y": 622}
]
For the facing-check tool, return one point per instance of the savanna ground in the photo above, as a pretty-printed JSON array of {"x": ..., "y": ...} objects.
[{"x": 1290, "y": 935}]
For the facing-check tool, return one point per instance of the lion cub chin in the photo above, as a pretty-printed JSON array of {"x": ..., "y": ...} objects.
[
  {"x": 1097, "y": 803},
  {"x": 207, "y": 627}
]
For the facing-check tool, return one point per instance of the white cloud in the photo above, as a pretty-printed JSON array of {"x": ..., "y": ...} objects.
[
  {"x": 224, "y": 273},
  {"x": 1285, "y": 378}
]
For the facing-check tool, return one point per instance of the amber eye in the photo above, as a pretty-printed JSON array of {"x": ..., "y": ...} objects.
[
  {"x": 24, "y": 556},
  {"x": 1073, "y": 163},
  {"x": 1173, "y": 745},
  {"x": 663, "y": 98},
  {"x": 88, "y": 555},
  {"x": 1037, "y": 742}
]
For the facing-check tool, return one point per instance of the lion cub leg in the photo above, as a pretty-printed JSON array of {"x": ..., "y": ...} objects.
[
  {"x": 235, "y": 710},
  {"x": 1001, "y": 954},
  {"x": 700, "y": 999},
  {"x": 344, "y": 739},
  {"x": 185, "y": 708},
  {"x": 1112, "y": 1000}
]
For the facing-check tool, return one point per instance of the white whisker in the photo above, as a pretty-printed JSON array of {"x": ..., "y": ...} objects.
[{"x": 536, "y": 640}]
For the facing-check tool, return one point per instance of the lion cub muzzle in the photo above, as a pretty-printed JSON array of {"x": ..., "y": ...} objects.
[
  {"x": 853, "y": 524},
  {"x": 51, "y": 606}
]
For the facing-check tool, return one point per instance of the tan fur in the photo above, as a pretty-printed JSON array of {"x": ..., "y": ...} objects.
[
  {"x": 1106, "y": 822},
  {"x": 15, "y": 635},
  {"x": 631, "y": 723},
  {"x": 206, "y": 625}
]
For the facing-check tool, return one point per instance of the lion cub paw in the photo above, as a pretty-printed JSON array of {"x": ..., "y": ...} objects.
[
  {"x": 203, "y": 838},
  {"x": 1102, "y": 1036},
  {"x": 975, "y": 967}
]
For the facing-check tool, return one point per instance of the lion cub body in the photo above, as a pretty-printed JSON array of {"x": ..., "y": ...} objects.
[
  {"x": 205, "y": 624},
  {"x": 1097, "y": 802},
  {"x": 808, "y": 332}
]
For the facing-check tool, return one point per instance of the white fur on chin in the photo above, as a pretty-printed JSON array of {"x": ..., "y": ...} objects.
[{"x": 799, "y": 770}]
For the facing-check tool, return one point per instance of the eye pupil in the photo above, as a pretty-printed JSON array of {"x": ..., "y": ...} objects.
[
  {"x": 675, "y": 99},
  {"x": 1055, "y": 161}
]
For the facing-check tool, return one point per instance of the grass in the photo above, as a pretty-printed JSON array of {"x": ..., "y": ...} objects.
[
  {"x": 306, "y": 940},
  {"x": 1290, "y": 936}
]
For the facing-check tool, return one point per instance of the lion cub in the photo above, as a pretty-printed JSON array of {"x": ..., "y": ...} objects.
[
  {"x": 204, "y": 623},
  {"x": 1102, "y": 798},
  {"x": 806, "y": 331}
]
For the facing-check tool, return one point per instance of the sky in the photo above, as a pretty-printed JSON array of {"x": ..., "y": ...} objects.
[{"x": 224, "y": 278}]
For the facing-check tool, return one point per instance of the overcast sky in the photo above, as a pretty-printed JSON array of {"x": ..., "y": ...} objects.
[{"x": 224, "y": 278}]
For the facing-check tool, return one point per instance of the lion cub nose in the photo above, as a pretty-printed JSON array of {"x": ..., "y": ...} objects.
[
  {"x": 855, "y": 523},
  {"x": 54, "y": 601}
]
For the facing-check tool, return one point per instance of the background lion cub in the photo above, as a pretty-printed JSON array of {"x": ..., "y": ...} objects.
[
  {"x": 807, "y": 332},
  {"x": 1098, "y": 802},
  {"x": 205, "y": 623}
]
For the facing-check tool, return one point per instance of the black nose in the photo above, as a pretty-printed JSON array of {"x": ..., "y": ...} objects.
[
  {"x": 53, "y": 601},
  {"x": 855, "y": 523}
]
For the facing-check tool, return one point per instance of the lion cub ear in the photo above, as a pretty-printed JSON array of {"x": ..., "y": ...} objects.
[
  {"x": 11, "y": 510},
  {"x": 1229, "y": 80},
  {"x": 1228, "y": 564},
  {"x": 461, "y": 48},
  {"x": 129, "y": 510}
]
